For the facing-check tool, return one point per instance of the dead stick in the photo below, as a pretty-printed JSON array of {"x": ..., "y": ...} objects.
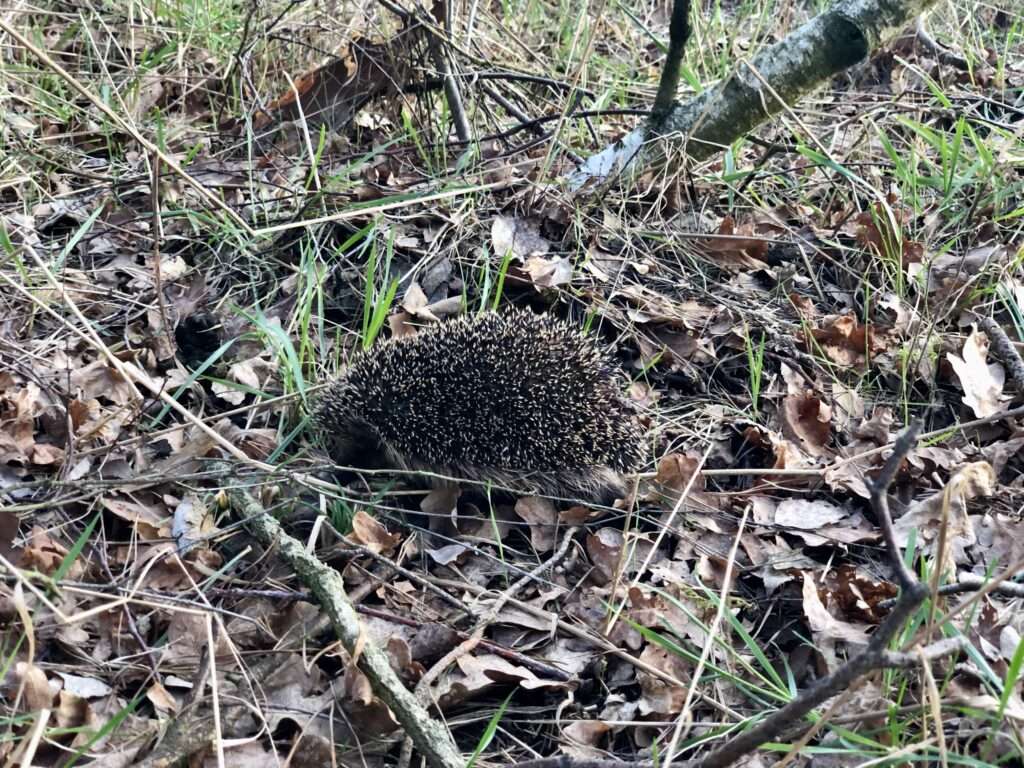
[
  {"x": 1004, "y": 349},
  {"x": 430, "y": 738}
]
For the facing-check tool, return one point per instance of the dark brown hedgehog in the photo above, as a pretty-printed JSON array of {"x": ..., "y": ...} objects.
[{"x": 524, "y": 401}]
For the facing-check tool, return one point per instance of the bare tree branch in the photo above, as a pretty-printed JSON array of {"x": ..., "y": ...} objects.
[{"x": 775, "y": 80}]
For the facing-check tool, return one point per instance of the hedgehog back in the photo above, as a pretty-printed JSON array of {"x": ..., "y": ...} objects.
[{"x": 511, "y": 392}]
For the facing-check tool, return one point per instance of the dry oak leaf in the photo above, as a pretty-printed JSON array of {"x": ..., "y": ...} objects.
[
  {"x": 737, "y": 247},
  {"x": 520, "y": 237},
  {"x": 807, "y": 421},
  {"x": 982, "y": 382},
  {"x": 368, "y": 532},
  {"x": 548, "y": 273},
  {"x": 98, "y": 380},
  {"x": 805, "y": 514},
  {"x": 846, "y": 341},
  {"x": 950, "y": 504},
  {"x": 660, "y": 696},
  {"x": 496, "y": 669},
  {"x": 857, "y": 593},
  {"x": 583, "y": 736},
  {"x": 45, "y": 554},
  {"x": 1000, "y": 538},
  {"x": 605, "y": 548},
  {"x": 823, "y": 624},
  {"x": 542, "y": 517},
  {"x": 674, "y": 476}
]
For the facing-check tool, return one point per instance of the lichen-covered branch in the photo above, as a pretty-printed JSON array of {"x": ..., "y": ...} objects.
[
  {"x": 776, "y": 78},
  {"x": 430, "y": 737}
]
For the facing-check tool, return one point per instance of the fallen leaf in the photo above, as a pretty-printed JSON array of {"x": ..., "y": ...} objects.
[
  {"x": 823, "y": 624},
  {"x": 36, "y": 691},
  {"x": 807, "y": 514},
  {"x": 846, "y": 341},
  {"x": 549, "y": 273},
  {"x": 982, "y": 382},
  {"x": 369, "y": 533},
  {"x": 605, "y": 548},
  {"x": 660, "y": 697},
  {"x": 84, "y": 687},
  {"x": 542, "y": 517},
  {"x": 582, "y": 737},
  {"x": 926, "y": 516},
  {"x": 519, "y": 237},
  {"x": 806, "y": 420}
]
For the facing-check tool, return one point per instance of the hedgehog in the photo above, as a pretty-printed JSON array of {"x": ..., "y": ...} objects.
[{"x": 523, "y": 401}]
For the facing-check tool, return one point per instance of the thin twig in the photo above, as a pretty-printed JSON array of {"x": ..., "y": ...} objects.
[
  {"x": 968, "y": 582},
  {"x": 158, "y": 236},
  {"x": 440, "y": 52},
  {"x": 880, "y": 500}
]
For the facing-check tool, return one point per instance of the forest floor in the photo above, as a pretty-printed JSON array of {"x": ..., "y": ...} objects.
[{"x": 195, "y": 237}]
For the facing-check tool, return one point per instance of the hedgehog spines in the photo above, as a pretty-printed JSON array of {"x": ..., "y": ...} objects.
[{"x": 522, "y": 400}]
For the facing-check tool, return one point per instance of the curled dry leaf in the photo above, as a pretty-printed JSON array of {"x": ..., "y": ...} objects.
[
  {"x": 152, "y": 520},
  {"x": 857, "y": 593},
  {"x": 45, "y": 554},
  {"x": 982, "y": 382},
  {"x": 98, "y": 380},
  {"x": 846, "y": 341},
  {"x": 368, "y": 715},
  {"x": 737, "y": 246},
  {"x": 877, "y": 429},
  {"x": 72, "y": 711},
  {"x": 162, "y": 699},
  {"x": 926, "y": 516},
  {"x": 847, "y": 406},
  {"x": 806, "y": 420},
  {"x": 520, "y": 237},
  {"x": 192, "y": 522},
  {"x": 583, "y": 736},
  {"x": 542, "y": 517},
  {"x": 187, "y": 639},
  {"x": 1000, "y": 538},
  {"x": 605, "y": 548},
  {"x": 823, "y": 624},
  {"x": 657, "y": 611},
  {"x": 367, "y": 532},
  {"x": 660, "y": 697},
  {"x": 675, "y": 473},
  {"x": 291, "y": 689},
  {"x": 36, "y": 692},
  {"x": 549, "y": 273}
]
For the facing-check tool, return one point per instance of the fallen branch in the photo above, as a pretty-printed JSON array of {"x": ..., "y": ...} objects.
[
  {"x": 944, "y": 55},
  {"x": 429, "y": 737},
  {"x": 1004, "y": 350},
  {"x": 775, "y": 80}
]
